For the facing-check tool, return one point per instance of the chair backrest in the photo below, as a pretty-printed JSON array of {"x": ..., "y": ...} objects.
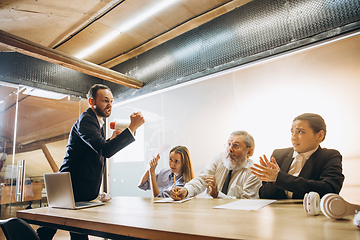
[{"x": 18, "y": 229}]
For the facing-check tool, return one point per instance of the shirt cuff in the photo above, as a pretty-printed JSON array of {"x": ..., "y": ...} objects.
[
  {"x": 191, "y": 192},
  {"x": 131, "y": 132},
  {"x": 223, "y": 195}
]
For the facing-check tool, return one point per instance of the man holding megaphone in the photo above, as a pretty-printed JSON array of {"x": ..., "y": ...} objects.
[{"x": 87, "y": 149}]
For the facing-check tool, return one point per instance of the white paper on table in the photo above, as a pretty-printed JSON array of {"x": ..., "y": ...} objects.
[
  {"x": 170, "y": 200},
  {"x": 246, "y": 204}
]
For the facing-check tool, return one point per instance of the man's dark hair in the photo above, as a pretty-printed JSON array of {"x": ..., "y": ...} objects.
[
  {"x": 93, "y": 90},
  {"x": 315, "y": 121}
]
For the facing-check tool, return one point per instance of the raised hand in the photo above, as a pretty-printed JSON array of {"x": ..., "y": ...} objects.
[
  {"x": 211, "y": 182},
  {"x": 137, "y": 120},
  {"x": 153, "y": 163}
]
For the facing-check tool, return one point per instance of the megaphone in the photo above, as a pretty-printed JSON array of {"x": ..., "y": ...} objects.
[{"x": 119, "y": 124}]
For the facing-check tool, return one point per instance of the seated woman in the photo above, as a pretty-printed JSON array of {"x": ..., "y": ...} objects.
[
  {"x": 293, "y": 172},
  {"x": 180, "y": 168}
]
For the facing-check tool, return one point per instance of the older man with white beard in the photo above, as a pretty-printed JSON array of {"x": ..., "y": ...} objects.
[{"x": 228, "y": 174}]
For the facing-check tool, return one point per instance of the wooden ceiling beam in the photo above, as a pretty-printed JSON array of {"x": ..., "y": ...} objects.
[
  {"x": 49, "y": 158},
  {"x": 29, "y": 48},
  {"x": 33, "y": 146},
  {"x": 185, "y": 27}
]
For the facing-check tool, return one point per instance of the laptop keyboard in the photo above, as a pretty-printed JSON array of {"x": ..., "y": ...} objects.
[
  {"x": 85, "y": 204},
  {"x": 82, "y": 204}
]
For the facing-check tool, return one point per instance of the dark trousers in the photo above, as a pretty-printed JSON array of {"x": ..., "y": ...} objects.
[{"x": 46, "y": 233}]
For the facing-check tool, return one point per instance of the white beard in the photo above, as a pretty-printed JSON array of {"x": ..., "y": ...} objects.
[{"x": 234, "y": 163}]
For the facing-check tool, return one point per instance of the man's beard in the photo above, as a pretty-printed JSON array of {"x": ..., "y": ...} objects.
[
  {"x": 236, "y": 162},
  {"x": 100, "y": 112}
]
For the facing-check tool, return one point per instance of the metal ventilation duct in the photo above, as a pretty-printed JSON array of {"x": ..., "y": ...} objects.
[
  {"x": 22, "y": 69},
  {"x": 253, "y": 31}
]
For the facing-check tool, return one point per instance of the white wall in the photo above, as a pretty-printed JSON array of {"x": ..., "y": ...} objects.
[{"x": 261, "y": 98}]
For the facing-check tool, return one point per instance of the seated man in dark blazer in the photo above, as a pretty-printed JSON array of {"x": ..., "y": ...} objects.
[
  {"x": 293, "y": 172},
  {"x": 87, "y": 149}
]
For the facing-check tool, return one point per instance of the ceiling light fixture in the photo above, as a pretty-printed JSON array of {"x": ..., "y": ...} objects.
[
  {"x": 124, "y": 27},
  {"x": 43, "y": 93}
]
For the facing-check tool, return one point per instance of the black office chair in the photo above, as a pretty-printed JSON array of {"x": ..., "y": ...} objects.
[{"x": 18, "y": 229}]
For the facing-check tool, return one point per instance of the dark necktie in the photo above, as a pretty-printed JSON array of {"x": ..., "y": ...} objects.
[
  {"x": 102, "y": 132},
  {"x": 226, "y": 183}
]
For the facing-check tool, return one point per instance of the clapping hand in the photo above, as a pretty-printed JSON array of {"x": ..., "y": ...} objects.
[{"x": 267, "y": 171}]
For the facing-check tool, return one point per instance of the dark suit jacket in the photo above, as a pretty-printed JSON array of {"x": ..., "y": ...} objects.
[
  {"x": 85, "y": 154},
  {"x": 322, "y": 173}
]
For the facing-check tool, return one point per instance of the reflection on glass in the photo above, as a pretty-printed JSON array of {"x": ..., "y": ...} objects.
[
  {"x": 38, "y": 136},
  {"x": 8, "y": 100}
]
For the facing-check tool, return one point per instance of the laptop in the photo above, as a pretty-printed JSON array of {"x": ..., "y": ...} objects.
[{"x": 60, "y": 193}]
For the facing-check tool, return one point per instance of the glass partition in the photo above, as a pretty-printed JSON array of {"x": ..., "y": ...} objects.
[
  {"x": 262, "y": 98},
  {"x": 8, "y": 116},
  {"x": 34, "y": 127}
]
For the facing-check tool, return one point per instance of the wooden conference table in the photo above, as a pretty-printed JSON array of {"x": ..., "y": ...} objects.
[{"x": 194, "y": 219}]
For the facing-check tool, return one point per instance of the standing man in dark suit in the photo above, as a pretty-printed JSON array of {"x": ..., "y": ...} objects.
[
  {"x": 87, "y": 149},
  {"x": 293, "y": 172}
]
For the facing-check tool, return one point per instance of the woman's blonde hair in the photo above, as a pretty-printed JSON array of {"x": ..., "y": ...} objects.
[{"x": 187, "y": 167}]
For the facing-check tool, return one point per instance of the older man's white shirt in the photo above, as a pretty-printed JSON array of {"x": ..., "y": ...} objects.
[{"x": 243, "y": 183}]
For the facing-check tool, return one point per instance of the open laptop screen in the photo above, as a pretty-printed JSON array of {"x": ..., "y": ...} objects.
[{"x": 60, "y": 194}]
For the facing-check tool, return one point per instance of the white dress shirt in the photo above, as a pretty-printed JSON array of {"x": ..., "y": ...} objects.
[
  {"x": 299, "y": 160},
  {"x": 243, "y": 183}
]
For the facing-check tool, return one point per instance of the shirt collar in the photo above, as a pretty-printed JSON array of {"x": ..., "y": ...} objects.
[
  {"x": 305, "y": 155},
  {"x": 101, "y": 121},
  {"x": 176, "y": 177}
]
